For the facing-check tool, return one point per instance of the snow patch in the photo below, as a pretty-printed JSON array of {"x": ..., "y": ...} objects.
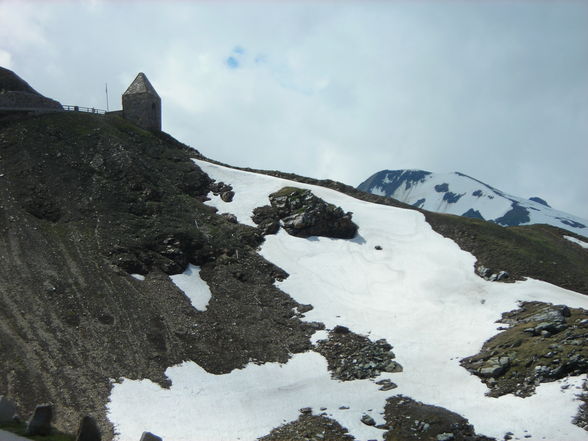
[
  {"x": 196, "y": 289},
  {"x": 578, "y": 241},
  {"x": 242, "y": 405},
  {"x": 138, "y": 276}
]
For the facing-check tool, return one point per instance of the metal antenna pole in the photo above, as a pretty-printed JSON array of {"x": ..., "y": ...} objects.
[{"x": 107, "y": 108}]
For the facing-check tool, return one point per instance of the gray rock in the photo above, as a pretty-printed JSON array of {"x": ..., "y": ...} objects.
[
  {"x": 230, "y": 217},
  {"x": 40, "y": 421},
  {"x": 7, "y": 410},
  {"x": 368, "y": 420},
  {"x": 494, "y": 367},
  {"x": 88, "y": 430},
  {"x": 387, "y": 385},
  {"x": 148, "y": 436},
  {"x": 502, "y": 275},
  {"x": 445, "y": 437},
  {"x": 304, "y": 215},
  {"x": 393, "y": 367},
  {"x": 227, "y": 196}
]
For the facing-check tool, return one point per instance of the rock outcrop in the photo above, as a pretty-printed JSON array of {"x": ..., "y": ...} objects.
[
  {"x": 15, "y": 93},
  {"x": 352, "y": 357},
  {"x": 544, "y": 343},
  {"x": 302, "y": 214}
]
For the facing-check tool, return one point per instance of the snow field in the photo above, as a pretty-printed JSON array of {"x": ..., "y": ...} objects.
[
  {"x": 419, "y": 292},
  {"x": 242, "y": 405}
]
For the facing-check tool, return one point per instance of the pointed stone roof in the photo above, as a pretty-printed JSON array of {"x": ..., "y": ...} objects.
[{"x": 141, "y": 85}]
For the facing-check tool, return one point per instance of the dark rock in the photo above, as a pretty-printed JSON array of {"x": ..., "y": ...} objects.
[
  {"x": 218, "y": 188},
  {"x": 40, "y": 421},
  {"x": 267, "y": 219},
  {"x": 304, "y": 215},
  {"x": 351, "y": 356},
  {"x": 378, "y": 247},
  {"x": 501, "y": 276},
  {"x": 306, "y": 410},
  {"x": 483, "y": 271},
  {"x": 341, "y": 330},
  {"x": 368, "y": 420},
  {"x": 227, "y": 196},
  {"x": 148, "y": 436},
  {"x": 88, "y": 430},
  {"x": 387, "y": 385},
  {"x": 7, "y": 410},
  {"x": 230, "y": 217},
  {"x": 305, "y": 308}
]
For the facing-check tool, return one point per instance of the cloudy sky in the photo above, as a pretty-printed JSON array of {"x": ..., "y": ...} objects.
[{"x": 336, "y": 89}]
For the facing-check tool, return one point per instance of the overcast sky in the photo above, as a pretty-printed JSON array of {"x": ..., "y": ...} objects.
[{"x": 497, "y": 90}]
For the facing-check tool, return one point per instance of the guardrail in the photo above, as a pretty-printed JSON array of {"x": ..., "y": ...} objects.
[
  {"x": 49, "y": 109},
  {"x": 83, "y": 109}
]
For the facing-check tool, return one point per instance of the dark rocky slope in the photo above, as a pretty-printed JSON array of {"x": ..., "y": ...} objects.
[{"x": 85, "y": 200}]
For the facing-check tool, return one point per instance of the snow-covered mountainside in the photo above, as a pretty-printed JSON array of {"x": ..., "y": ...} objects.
[
  {"x": 459, "y": 194},
  {"x": 397, "y": 280}
]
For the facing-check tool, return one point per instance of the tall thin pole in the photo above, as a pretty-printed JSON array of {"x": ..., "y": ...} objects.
[{"x": 107, "y": 108}]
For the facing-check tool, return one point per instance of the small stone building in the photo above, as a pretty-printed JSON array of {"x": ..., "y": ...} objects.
[{"x": 141, "y": 104}]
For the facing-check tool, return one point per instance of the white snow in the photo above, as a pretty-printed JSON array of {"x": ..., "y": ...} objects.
[
  {"x": 242, "y": 405},
  {"x": 196, "y": 289},
  {"x": 138, "y": 276},
  {"x": 419, "y": 292},
  {"x": 578, "y": 241}
]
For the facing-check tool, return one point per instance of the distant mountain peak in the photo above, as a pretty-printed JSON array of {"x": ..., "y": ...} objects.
[{"x": 463, "y": 195}]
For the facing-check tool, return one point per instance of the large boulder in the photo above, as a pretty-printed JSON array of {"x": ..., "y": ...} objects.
[
  {"x": 88, "y": 430},
  {"x": 40, "y": 421},
  {"x": 303, "y": 215},
  {"x": 7, "y": 410}
]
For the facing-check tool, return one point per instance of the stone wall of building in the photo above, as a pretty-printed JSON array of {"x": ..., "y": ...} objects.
[{"x": 143, "y": 109}]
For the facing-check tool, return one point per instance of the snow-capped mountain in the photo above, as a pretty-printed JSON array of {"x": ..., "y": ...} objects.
[{"x": 457, "y": 193}]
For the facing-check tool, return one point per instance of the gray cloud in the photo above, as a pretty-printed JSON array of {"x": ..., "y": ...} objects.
[{"x": 497, "y": 90}]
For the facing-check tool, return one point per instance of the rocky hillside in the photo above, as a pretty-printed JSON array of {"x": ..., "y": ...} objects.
[
  {"x": 98, "y": 215},
  {"x": 456, "y": 193},
  {"x": 86, "y": 202}
]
